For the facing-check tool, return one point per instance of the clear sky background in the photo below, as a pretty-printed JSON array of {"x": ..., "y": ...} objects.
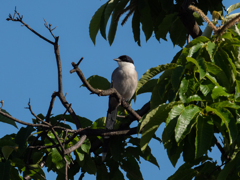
[{"x": 28, "y": 66}]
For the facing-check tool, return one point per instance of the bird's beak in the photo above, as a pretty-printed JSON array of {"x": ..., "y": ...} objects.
[{"x": 116, "y": 59}]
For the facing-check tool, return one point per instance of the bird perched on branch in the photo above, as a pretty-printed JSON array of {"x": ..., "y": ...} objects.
[{"x": 124, "y": 80}]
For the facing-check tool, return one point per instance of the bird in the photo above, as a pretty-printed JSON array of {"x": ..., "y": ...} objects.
[{"x": 124, "y": 79}]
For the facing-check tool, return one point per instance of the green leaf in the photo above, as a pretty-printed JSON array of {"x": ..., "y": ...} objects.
[
  {"x": 194, "y": 98},
  {"x": 107, "y": 12},
  {"x": 183, "y": 90},
  {"x": 225, "y": 104},
  {"x": 219, "y": 91},
  {"x": 89, "y": 165},
  {"x": 152, "y": 121},
  {"x": 195, "y": 49},
  {"x": 164, "y": 27},
  {"x": 171, "y": 122},
  {"x": 153, "y": 72},
  {"x": 99, "y": 123},
  {"x": 184, "y": 120},
  {"x": 132, "y": 168},
  {"x": 118, "y": 175},
  {"x": 229, "y": 168},
  {"x": 183, "y": 173},
  {"x": 147, "y": 87},
  {"x": 228, "y": 119},
  {"x": 206, "y": 87},
  {"x": 218, "y": 73},
  {"x": 95, "y": 22},
  {"x": 145, "y": 18},
  {"x": 212, "y": 79},
  {"x": 211, "y": 49},
  {"x": 177, "y": 76},
  {"x": 7, "y": 120},
  {"x": 200, "y": 39},
  {"x": 200, "y": 63},
  {"x": 178, "y": 32},
  {"x": 7, "y": 150},
  {"x": 161, "y": 89},
  {"x": 57, "y": 159},
  {"x": 98, "y": 82},
  {"x": 22, "y": 136},
  {"x": 204, "y": 135},
  {"x": 233, "y": 7},
  {"x": 102, "y": 172},
  {"x": 114, "y": 20},
  {"x": 5, "y": 168},
  {"x": 136, "y": 27},
  {"x": 86, "y": 146}
]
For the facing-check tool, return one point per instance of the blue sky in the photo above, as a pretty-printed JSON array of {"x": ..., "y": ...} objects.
[{"x": 28, "y": 66}]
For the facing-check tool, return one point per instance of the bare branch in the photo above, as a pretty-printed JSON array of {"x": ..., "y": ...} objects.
[{"x": 19, "y": 19}]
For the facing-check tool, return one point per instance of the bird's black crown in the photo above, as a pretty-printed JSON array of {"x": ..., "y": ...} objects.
[{"x": 126, "y": 58}]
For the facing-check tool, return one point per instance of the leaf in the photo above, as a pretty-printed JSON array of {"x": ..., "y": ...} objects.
[
  {"x": 171, "y": 122},
  {"x": 152, "y": 121},
  {"x": 107, "y": 12},
  {"x": 114, "y": 20},
  {"x": 7, "y": 120},
  {"x": 206, "y": 87},
  {"x": 211, "y": 49},
  {"x": 145, "y": 18},
  {"x": 183, "y": 90},
  {"x": 184, "y": 120},
  {"x": 219, "y": 91},
  {"x": 184, "y": 172},
  {"x": 22, "y": 136},
  {"x": 218, "y": 73},
  {"x": 194, "y": 98},
  {"x": 161, "y": 89},
  {"x": 86, "y": 146},
  {"x": 200, "y": 39},
  {"x": 178, "y": 32},
  {"x": 164, "y": 27},
  {"x": 177, "y": 76},
  {"x": 132, "y": 168},
  {"x": 102, "y": 172},
  {"x": 95, "y": 22},
  {"x": 99, "y": 123},
  {"x": 148, "y": 86},
  {"x": 136, "y": 27},
  {"x": 195, "y": 49},
  {"x": 228, "y": 119},
  {"x": 233, "y": 7},
  {"x": 5, "y": 168},
  {"x": 7, "y": 150},
  {"x": 225, "y": 104},
  {"x": 57, "y": 159},
  {"x": 98, "y": 82},
  {"x": 229, "y": 168},
  {"x": 153, "y": 72},
  {"x": 204, "y": 135},
  {"x": 200, "y": 63},
  {"x": 89, "y": 165}
]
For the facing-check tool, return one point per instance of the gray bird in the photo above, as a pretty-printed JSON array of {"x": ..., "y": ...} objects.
[{"x": 124, "y": 80}]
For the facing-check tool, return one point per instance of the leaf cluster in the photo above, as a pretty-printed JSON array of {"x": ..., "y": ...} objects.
[{"x": 156, "y": 18}]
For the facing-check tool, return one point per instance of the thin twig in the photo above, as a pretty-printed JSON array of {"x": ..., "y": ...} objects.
[{"x": 19, "y": 19}]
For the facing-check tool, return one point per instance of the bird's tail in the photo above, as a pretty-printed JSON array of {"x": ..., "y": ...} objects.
[{"x": 110, "y": 121}]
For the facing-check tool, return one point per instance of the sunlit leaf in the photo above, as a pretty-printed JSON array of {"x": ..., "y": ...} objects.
[
  {"x": 184, "y": 120},
  {"x": 153, "y": 72}
]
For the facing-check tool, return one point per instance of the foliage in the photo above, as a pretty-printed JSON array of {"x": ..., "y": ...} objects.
[
  {"x": 156, "y": 18},
  {"x": 196, "y": 96}
]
